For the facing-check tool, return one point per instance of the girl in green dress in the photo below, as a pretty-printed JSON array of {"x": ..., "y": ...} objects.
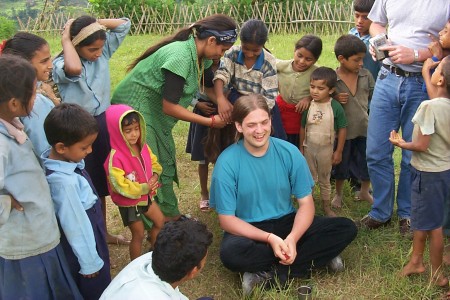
[{"x": 161, "y": 84}]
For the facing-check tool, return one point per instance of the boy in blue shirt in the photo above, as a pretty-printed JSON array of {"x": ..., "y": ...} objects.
[
  {"x": 361, "y": 30},
  {"x": 71, "y": 131}
]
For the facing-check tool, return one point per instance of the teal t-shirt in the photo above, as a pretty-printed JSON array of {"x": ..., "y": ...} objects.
[{"x": 255, "y": 189}]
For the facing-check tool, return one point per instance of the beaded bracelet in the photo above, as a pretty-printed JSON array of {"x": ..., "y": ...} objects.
[{"x": 212, "y": 121}]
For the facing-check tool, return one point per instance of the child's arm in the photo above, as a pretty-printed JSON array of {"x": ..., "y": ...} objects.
[
  {"x": 302, "y": 139},
  {"x": 337, "y": 154},
  {"x": 111, "y": 23},
  {"x": 419, "y": 144},
  {"x": 429, "y": 65},
  {"x": 72, "y": 62},
  {"x": 157, "y": 170},
  {"x": 303, "y": 104},
  {"x": 7, "y": 202},
  {"x": 222, "y": 78},
  {"x": 121, "y": 184},
  {"x": 303, "y": 132},
  {"x": 75, "y": 224}
]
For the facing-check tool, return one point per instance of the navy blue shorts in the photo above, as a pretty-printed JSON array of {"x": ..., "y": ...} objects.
[
  {"x": 354, "y": 158},
  {"x": 428, "y": 193}
]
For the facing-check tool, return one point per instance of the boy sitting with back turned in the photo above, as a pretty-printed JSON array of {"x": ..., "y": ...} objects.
[
  {"x": 353, "y": 90},
  {"x": 179, "y": 255},
  {"x": 361, "y": 30}
]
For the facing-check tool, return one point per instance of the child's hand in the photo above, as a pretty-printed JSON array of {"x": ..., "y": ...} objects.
[
  {"x": 396, "y": 139},
  {"x": 342, "y": 98},
  {"x": 206, "y": 108},
  {"x": 90, "y": 275},
  {"x": 153, "y": 183},
  {"x": 435, "y": 47},
  {"x": 15, "y": 204},
  {"x": 66, "y": 29},
  {"x": 429, "y": 65},
  {"x": 224, "y": 108},
  {"x": 219, "y": 122},
  {"x": 303, "y": 104},
  {"x": 336, "y": 158}
]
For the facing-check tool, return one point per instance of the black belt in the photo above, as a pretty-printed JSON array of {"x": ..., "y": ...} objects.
[{"x": 399, "y": 72}]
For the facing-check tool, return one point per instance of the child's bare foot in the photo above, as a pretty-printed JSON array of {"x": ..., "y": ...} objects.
[
  {"x": 365, "y": 196},
  {"x": 337, "y": 201},
  {"x": 329, "y": 212},
  {"x": 446, "y": 257},
  {"x": 116, "y": 239},
  {"x": 412, "y": 268},
  {"x": 440, "y": 280}
]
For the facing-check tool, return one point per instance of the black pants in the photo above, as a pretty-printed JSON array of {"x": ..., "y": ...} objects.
[{"x": 324, "y": 240}]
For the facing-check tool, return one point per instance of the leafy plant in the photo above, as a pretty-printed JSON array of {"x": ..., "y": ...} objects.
[{"x": 7, "y": 28}]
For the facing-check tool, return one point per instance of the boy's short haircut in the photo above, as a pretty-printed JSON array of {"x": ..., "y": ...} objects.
[
  {"x": 349, "y": 45},
  {"x": 130, "y": 118},
  {"x": 363, "y": 5},
  {"x": 326, "y": 74},
  {"x": 180, "y": 246},
  {"x": 68, "y": 124},
  {"x": 445, "y": 69}
]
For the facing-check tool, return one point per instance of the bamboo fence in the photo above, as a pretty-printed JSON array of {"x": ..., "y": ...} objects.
[{"x": 289, "y": 17}]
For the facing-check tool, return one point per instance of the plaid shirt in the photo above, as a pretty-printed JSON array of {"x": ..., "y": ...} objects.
[{"x": 260, "y": 79}]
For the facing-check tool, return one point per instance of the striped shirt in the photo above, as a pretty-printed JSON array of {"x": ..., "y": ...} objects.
[{"x": 259, "y": 79}]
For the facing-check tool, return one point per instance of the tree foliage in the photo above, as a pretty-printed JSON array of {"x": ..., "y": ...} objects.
[{"x": 7, "y": 28}]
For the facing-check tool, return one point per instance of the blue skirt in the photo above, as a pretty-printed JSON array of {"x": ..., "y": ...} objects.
[
  {"x": 40, "y": 277},
  {"x": 196, "y": 137},
  {"x": 91, "y": 288},
  {"x": 100, "y": 151}
]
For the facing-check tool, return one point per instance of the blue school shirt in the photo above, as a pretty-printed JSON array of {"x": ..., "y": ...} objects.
[
  {"x": 72, "y": 196},
  {"x": 34, "y": 123},
  {"x": 368, "y": 62},
  {"x": 92, "y": 88},
  {"x": 255, "y": 189},
  {"x": 34, "y": 230}
]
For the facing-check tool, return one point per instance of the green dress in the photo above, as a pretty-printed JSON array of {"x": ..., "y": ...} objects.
[{"x": 142, "y": 89}]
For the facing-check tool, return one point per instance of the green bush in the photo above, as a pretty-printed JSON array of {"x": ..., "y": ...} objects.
[{"x": 7, "y": 28}]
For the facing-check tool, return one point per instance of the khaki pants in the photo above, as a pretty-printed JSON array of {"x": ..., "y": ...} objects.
[{"x": 319, "y": 159}]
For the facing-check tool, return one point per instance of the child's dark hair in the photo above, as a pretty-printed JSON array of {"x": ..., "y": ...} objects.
[
  {"x": 24, "y": 44},
  {"x": 180, "y": 246},
  {"x": 312, "y": 43},
  {"x": 349, "y": 45},
  {"x": 326, "y": 74},
  {"x": 17, "y": 80},
  {"x": 203, "y": 29},
  {"x": 130, "y": 118},
  {"x": 69, "y": 124},
  {"x": 79, "y": 23},
  {"x": 363, "y": 5},
  {"x": 254, "y": 31},
  {"x": 445, "y": 70}
]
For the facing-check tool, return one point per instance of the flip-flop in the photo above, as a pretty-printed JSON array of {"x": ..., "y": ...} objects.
[{"x": 204, "y": 205}]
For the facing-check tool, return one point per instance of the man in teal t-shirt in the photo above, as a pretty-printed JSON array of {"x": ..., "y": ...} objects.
[{"x": 252, "y": 187}]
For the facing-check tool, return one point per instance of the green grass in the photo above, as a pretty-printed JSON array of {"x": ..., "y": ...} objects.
[{"x": 373, "y": 261}]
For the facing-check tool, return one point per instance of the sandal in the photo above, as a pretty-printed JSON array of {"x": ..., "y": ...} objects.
[{"x": 204, "y": 205}]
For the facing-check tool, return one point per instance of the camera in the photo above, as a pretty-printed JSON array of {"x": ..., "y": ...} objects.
[{"x": 378, "y": 41}]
